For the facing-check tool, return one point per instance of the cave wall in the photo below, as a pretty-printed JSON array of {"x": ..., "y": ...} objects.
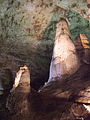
[{"x": 27, "y": 32}]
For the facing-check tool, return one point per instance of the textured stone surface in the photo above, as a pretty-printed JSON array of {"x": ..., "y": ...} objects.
[
  {"x": 62, "y": 99},
  {"x": 27, "y": 31}
]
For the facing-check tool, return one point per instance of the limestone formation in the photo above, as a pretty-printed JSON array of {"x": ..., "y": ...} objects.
[
  {"x": 64, "y": 59},
  {"x": 18, "y": 99},
  {"x": 27, "y": 32},
  {"x": 67, "y": 99}
]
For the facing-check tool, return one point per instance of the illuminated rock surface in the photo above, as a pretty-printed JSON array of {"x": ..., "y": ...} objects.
[
  {"x": 27, "y": 33},
  {"x": 65, "y": 99}
]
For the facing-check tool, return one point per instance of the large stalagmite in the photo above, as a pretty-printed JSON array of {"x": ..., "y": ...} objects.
[{"x": 64, "y": 59}]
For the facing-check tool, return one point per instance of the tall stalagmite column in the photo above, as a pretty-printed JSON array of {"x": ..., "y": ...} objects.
[{"x": 64, "y": 59}]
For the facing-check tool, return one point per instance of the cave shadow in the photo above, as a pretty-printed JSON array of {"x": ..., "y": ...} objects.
[
  {"x": 55, "y": 97},
  {"x": 52, "y": 101},
  {"x": 44, "y": 55}
]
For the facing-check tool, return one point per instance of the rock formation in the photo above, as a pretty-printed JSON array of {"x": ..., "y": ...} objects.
[
  {"x": 27, "y": 31},
  {"x": 67, "y": 99},
  {"x": 18, "y": 100},
  {"x": 64, "y": 59}
]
